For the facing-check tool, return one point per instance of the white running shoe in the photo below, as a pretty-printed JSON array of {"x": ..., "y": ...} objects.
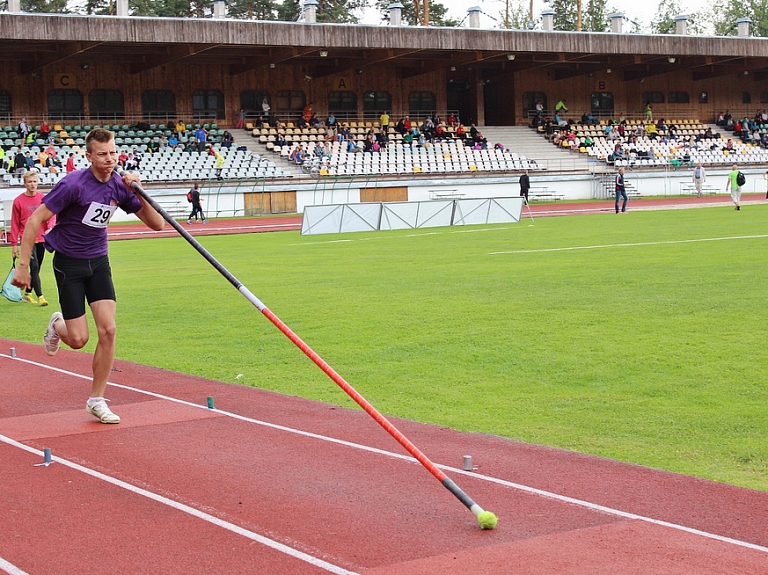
[
  {"x": 51, "y": 339},
  {"x": 101, "y": 411}
]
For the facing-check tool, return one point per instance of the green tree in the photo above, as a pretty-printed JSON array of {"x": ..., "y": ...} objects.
[
  {"x": 515, "y": 15},
  {"x": 98, "y": 7},
  {"x": 341, "y": 11},
  {"x": 664, "y": 21},
  {"x": 723, "y": 14},
  {"x": 413, "y": 15},
  {"x": 45, "y": 6},
  {"x": 289, "y": 10},
  {"x": 565, "y": 14},
  {"x": 253, "y": 9},
  {"x": 595, "y": 17}
]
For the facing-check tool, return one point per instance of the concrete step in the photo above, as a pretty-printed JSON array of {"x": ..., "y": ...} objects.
[{"x": 526, "y": 142}]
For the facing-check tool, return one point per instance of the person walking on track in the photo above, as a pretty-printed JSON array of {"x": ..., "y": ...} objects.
[{"x": 197, "y": 207}]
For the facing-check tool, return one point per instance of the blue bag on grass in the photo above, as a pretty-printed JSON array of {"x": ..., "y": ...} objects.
[{"x": 11, "y": 292}]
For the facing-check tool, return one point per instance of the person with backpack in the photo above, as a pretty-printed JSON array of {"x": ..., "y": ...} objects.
[
  {"x": 621, "y": 191},
  {"x": 736, "y": 180},
  {"x": 193, "y": 197}
]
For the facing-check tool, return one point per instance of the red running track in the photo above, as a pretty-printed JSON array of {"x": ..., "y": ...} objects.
[{"x": 272, "y": 484}]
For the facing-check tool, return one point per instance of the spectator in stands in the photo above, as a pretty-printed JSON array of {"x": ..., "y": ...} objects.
[
  {"x": 265, "y": 108},
  {"x": 294, "y": 152},
  {"x": 384, "y": 120},
  {"x": 331, "y": 121},
  {"x": 23, "y": 130},
  {"x": 319, "y": 151},
  {"x": 621, "y": 191},
  {"x": 240, "y": 119},
  {"x": 407, "y": 123},
  {"x": 280, "y": 140},
  {"x": 383, "y": 138},
  {"x": 460, "y": 130},
  {"x": 122, "y": 158},
  {"x": 301, "y": 122},
  {"x": 29, "y": 160},
  {"x": 130, "y": 163},
  {"x": 732, "y": 184},
  {"x": 202, "y": 137},
  {"x": 539, "y": 110},
  {"x": 729, "y": 144},
  {"x": 408, "y": 139},
  {"x": 3, "y": 163},
  {"x": 173, "y": 141},
  {"x": 400, "y": 127},
  {"x": 428, "y": 129},
  {"x": 51, "y": 151},
  {"x": 560, "y": 121},
  {"x": 561, "y": 108},
  {"x": 219, "y": 162},
  {"x": 368, "y": 143},
  {"x": 648, "y": 112},
  {"x": 315, "y": 122},
  {"x": 42, "y": 158},
  {"x": 137, "y": 156},
  {"x": 651, "y": 131},
  {"x": 452, "y": 120},
  {"x": 181, "y": 129},
  {"x": 308, "y": 112},
  {"x": 699, "y": 177},
  {"x": 327, "y": 149},
  {"x": 227, "y": 139},
  {"x": 661, "y": 127},
  {"x": 352, "y": 146},
  {"x": 71, "y": 163},
  {"x": 45, "y": 132}
]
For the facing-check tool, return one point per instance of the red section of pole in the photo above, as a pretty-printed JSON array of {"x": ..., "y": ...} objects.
[{"x": 352, "y": 392}]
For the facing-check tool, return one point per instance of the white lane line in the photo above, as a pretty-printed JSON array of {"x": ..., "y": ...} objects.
[
  {"x": 295, "y": 553},
  {"x": 10, "y": 568},
  {"x": 503, "y": 482},
  {"x": 470, "y": 231},
  {"x": 603, "y": 246}
]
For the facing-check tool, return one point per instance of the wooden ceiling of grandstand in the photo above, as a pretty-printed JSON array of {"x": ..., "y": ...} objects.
[{"x": 34, "y": 41}]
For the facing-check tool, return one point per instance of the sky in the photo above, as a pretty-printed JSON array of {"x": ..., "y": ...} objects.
[{"x": 640, "y": 12}]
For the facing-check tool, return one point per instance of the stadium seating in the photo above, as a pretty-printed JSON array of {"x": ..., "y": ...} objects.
[{"x": 447, "y": 155}]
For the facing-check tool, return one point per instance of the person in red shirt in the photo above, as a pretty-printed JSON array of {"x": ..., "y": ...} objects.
[
  {"x": 71, "y": 163},
  {"x": 23, "y": 207}
]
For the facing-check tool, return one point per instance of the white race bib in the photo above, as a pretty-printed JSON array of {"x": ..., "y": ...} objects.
[{"x": 98, "y": 215}]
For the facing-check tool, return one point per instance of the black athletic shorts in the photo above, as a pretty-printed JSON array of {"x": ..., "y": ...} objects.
[{"x": 80, "y": 280}]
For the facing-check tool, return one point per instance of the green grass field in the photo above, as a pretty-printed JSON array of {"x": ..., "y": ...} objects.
[{"x": 611, "y": 335}]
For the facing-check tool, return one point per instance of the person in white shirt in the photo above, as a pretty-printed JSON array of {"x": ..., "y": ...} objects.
[{"x": 699, "y": 177}]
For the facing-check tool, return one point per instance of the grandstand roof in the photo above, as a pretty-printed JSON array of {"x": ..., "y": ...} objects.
[{"x": 34, "y": 41}]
